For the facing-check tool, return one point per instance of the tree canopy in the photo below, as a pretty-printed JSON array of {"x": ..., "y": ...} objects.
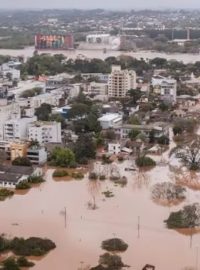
[{"x": 62, "y": 157}]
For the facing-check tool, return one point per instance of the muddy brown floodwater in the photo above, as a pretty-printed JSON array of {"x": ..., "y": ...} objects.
[{"x": 41, "y": 213}]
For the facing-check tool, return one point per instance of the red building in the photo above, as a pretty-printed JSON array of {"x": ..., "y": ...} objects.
[{"x": 54, "y": 42}]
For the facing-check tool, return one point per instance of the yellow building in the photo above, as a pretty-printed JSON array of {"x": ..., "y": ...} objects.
[{"x": 18, "y": 149}]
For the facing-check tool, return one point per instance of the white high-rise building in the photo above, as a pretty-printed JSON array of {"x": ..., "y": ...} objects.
[
  {"x": 17, "y": 128},
  {"x": 45, "y": 132},
  {"x": 120, "y": 82},
  {"x": 168, "y": 90},
  {"x": 7, "y": 112}
]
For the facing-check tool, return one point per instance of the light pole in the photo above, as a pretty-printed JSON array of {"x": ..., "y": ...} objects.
[{"x": 197, "y": 258}]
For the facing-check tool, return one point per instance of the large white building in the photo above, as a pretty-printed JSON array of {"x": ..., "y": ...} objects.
[
  {"x": 7, "y": 112},
  {"x": 52, "y": 98},
  {"x": 120, "y": 82},
  {"x": 45, "y": 132},
  {"x": 17, "y": 128},
  {"x": 110, "y": 120}
]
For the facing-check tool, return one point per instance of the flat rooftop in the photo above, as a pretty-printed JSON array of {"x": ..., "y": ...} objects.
[{"x": 110, "y": 117}]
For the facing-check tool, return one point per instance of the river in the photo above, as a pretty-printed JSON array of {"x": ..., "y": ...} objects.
[
  {"x": 40, "y": 212},
  {"x": 28, "y": 52}
]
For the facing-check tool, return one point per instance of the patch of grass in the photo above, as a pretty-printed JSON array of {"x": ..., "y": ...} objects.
[
  {"x": 60, "y": 173},
  {"x": 5, "y": 193},
  {"x": 77, "y": 175},
  {"x": 108, "y": 194},
  {"x": 23, "y": 185}
]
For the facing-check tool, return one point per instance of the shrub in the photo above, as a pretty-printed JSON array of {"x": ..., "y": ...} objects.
[
  {"x": 114, "y": 244},
  {"x": 108, "y": 261},
  {"x": 23, "y": 185},
  {"x": 106, "y": 160},
  {"x": 108, "y": 194},
  {"x": 177, "y": 130},
  {"x": 22, "y": 161},
  {"x": 111, "y": 261},
  {"x": 163, "y": 140},
  {"x": 31, "y": 92},
  {"x": 93, "y": 176},
  {"x": 77, "y": 175},
  {"x": 60, "y": 173},
  {"x": 4, "y": 193},
  {"x": 10, "y": 264},
  {"x": 145, "y": 162},
  {"x": 133, "y": 134},
  {"x": 102, "y": 177},
  {"x": 23, "y": 262},
  {"x": 83, "y": 161},
  {"x": 122, "y": 181},
  {"x": 32, "y": 246},
  {"x": 36, "y": 179},
  {"x": 114, "y": 178},
  {"x": 120, "y": 159},
  {"x": 188, "y": 217}
]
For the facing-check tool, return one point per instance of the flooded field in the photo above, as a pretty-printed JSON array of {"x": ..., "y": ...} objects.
[
  {"x": 40, "y": 212},
  {"x": 28, "y": 52}
]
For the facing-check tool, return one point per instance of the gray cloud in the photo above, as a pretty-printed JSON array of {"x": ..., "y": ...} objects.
[{"x": 85, "y": 4}]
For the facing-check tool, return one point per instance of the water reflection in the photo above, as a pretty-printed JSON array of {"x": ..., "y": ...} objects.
[
  {"x": 190, "y": 179},
  {"x": 94, "y": 188},
  {"x": 141, "y": 180}
]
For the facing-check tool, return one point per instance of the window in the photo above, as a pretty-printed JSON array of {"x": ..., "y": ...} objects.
[{"x": 167, "y": 91}]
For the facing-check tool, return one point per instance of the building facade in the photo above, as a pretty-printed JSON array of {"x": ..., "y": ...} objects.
[
  {"x": 7, "y": 112},
  {"x": 168, "y": 91},
  {"x": 120, "y": 82},
  {"x": 18, "y": 149},
  {"x": 17, "y": 128},
  {"x": 97, "y": 89},
  {"x": 45, "y": 132},
  {"x": 37, "y": 155},
  {"x": 54, "y": 42},
  {"x": 159, "y": 129},
  {"x": 110, "y": 120}
]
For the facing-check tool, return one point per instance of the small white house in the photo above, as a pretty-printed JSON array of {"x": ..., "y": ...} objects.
[{"x": 114, "y": 148}]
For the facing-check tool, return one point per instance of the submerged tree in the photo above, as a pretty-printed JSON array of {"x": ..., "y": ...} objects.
[
  {"x": 189, "y": 154},
  {"x": 188, "y": 217}
]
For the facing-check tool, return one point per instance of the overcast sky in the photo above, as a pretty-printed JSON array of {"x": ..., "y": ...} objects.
[{"x": 107, "y": 4}]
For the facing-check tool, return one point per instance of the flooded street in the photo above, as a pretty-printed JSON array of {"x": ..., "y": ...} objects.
[
  {"x": 28, "y": 52},
  {"x": 41, "y": 213}
]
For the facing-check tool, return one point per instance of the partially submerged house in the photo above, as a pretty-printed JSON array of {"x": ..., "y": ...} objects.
[{"x": 11, "y": 175}]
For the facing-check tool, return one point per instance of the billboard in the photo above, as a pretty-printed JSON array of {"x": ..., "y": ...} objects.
[{"x": 54, "y": 42}]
